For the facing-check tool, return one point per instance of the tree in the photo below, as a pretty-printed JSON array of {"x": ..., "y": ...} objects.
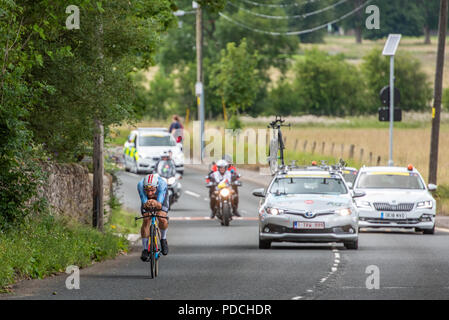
[
  {"x": 327, "y": 85},
  {"x": 84, "y": 87},
  {"x": 235, "y": 78},
  {"x": 430, "y": 8},
  {"x": 49, "y": 83},
  {"x": 412, "y": 82},
  {"x": 355, "y": 22},
  {"x": 399, "y": 16},
  {"x": 295, "y": 8}
]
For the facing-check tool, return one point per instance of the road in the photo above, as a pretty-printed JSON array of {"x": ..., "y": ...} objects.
[{"x": 208, "y": 261}]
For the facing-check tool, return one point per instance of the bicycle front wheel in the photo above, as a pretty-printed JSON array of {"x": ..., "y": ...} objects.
[{"x": 152, "y": 251}]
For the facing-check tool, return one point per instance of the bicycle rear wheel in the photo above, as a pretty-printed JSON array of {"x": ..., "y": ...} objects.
[{"x": 273, "y": 158}]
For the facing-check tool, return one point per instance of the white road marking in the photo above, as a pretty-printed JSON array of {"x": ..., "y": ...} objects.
[
  {"x": 334, "y": 269},
  {"x": 193, "y": 194}
]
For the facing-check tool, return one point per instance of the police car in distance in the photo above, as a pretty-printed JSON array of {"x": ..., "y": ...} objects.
[
  {"x": 396, "y": 197},
  {"x": 303, "y": 205},
  {"x": 145, "y": 146}
]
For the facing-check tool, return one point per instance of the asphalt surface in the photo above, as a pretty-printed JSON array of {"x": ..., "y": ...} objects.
[{"x": 209, "y": 261}]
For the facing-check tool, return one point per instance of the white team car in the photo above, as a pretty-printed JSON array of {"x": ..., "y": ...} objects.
[
  {"x": 303, "y": 205},
  {"x": 396, "y": 197},
  {"x": 144, "y": 148}
]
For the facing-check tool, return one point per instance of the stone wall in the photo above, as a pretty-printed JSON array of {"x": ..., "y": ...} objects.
[{"x": 69, "y": 191}]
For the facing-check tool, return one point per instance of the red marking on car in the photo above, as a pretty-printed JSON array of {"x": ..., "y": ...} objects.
[{"x": 309, "y": 201}]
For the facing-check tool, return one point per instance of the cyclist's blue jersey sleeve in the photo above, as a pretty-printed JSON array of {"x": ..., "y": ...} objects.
[
  {"x": 160, "y": 196},
  {"x": 142, "y": 194}
]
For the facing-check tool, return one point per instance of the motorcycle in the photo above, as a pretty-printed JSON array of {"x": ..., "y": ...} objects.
[
  {"x": 224, "y": 196},
  {"x": 167, "y": 169}
]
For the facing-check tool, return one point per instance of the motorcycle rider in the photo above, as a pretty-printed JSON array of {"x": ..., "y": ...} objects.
[
  {"x": 153, "y": 194},
  {"x": 165, "y": 159},
  {"x": 222, "y": 175},
  {"x": 234, "y": 177}
]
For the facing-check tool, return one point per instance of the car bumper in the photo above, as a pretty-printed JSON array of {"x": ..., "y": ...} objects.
[
  {"x": 336, "y": 229},
  {"x": 414, "y": 219}
]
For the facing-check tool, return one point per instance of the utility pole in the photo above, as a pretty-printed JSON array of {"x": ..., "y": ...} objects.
[
  {"x": 199, "y": 88},
  {"x": 436, "y": 110},
  {"x": 97, "y": 158}
]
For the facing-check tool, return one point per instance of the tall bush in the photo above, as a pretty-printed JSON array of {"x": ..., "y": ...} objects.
[
  {"x": 328, "y": 85},
  {"x": 416, "y": 92}
]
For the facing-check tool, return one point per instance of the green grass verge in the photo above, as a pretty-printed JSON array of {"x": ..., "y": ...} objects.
[
  {"x": 47, "y": 245},
  {"x": 122, "y": 221}
]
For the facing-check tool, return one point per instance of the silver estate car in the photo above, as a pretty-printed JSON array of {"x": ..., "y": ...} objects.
[
  {"x": 396, "y": 197},
  {"x": 308, "y": 206}
]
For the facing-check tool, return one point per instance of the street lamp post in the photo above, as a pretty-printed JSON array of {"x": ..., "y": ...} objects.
[{"x": 390, "y": 50}]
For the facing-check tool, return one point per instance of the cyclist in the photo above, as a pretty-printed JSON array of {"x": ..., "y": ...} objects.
[{"x": 153, "y": 193}]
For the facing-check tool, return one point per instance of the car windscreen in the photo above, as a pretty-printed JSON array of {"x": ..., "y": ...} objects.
[
  {"x": 350, "y": 176},
  {"x": 156, "y": 141},
  {"x": 400, "y": 180},
  {"x": 308, "y": 185}
]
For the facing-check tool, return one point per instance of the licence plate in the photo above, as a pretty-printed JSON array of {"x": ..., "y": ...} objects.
[
  {"x": 308, "y": 225},
  {"x": 393, "y": 215}
]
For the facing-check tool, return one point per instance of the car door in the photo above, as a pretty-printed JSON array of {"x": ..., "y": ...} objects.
[{"x": 129, "y": 146}]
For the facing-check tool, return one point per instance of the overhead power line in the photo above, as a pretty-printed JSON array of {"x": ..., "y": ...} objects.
[
  {"x": 258, "y": 4},
  {"x": 294, "y": 33},
  {"x": 299, "y": 16}
]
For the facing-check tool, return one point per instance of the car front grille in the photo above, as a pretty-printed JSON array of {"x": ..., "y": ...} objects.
[
  {"x": 382, "y": 206},
  {"x": 389, "y": 221}
]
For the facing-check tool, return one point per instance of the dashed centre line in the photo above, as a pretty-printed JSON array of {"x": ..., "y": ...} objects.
[{"x": 193, "y": 194}]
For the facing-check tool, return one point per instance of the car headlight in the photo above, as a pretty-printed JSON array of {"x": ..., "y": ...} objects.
[
  {"x": 363, "y": 204},
  {"x": 344, "y": 212},
  {"x": 275, "y": 211},
  {"x": 224, "y": 192},
  {"x": 171, "y": 180},
  {"x": 425, "y": 205}
]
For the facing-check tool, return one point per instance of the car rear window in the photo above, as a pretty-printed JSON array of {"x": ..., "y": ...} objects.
[
  {"x": 308, "y": 185},
  {"x": 399, "y": 180}
]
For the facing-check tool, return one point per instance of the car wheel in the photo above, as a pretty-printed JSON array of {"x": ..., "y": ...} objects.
[
  {"x": 429, "y": 231},
  {"x": 264, "y": 244},
  {"x": 418, "y": 230},
  {"x": 353, "y": 245}
]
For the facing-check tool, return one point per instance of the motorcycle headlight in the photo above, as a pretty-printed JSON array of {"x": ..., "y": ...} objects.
[
  {"x": 363, "y": 204},
  {"x": 275, "y": 211},
  {"x": 171, "y": 180},
  {"x": 425, "y": 205},
  {"x": 344, "y": 212},
  {"x": 224, "y": 192}
]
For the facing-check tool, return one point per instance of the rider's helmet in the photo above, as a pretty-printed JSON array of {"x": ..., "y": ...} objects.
[
  {"x": 151, "y": 180},
  {"x": 165, "y": 155},
  {"x": 222, "y": 164}
]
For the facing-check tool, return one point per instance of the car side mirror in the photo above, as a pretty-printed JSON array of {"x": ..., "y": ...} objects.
[
  {"x": 358, "y": 194},
  {"x": 432, "y": 187},
  {"x": 350, "y": 185},
  {"x": 259, "y": 193}
]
